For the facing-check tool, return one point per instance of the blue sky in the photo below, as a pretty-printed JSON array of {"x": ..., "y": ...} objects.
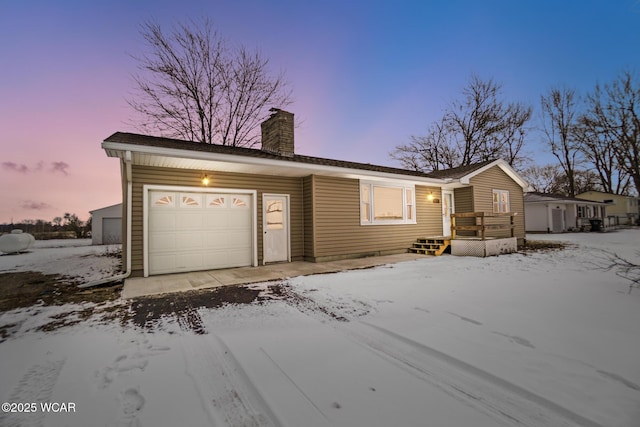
[{"x": 365, "y": 75}]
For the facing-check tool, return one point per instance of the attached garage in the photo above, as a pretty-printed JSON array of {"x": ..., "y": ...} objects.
[{"x": 191, "y": 230}]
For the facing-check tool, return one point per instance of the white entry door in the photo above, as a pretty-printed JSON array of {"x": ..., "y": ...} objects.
[
  {"x": 447, "y": 209},
  {"x": 275, "y": 224}
]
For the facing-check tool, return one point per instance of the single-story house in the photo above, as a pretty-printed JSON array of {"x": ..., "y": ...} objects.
[
  {"x": 106, "y": 225},
  {"x": 551, "y": 213},
  {"x": 191, "y": 206},
  {"x": 621, "y": 210}
]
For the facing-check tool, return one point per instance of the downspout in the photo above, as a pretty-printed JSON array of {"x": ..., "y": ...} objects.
[{"x": 127, "y": 272}]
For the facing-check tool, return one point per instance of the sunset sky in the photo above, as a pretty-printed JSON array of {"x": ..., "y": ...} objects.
[{"x": 365, "y": 75}]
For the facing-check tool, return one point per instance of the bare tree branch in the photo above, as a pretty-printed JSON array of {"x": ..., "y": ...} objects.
[
  {"x": 191, "y": 85},
  {"x": 613, "y": 122},
  {"x": 480, "y": 126}
]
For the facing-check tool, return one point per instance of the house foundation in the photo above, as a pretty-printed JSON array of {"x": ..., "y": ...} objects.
[{"x": 475, "y": 246}]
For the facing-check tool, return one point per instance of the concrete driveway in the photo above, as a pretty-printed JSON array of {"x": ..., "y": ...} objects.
[{"x": 155, "y": 285}]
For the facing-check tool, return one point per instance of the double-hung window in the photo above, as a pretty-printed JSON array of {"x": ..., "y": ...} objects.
[
  {"x": 501, "y": 201},
  {"x": 382, "y": 203}
]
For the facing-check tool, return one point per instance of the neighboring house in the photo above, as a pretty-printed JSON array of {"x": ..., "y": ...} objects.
[
  {"x": 192, "y": 206},
  {"x": 550, "y": 213},
  {"x": 621, "y": 210},
  {"x": 106, "y": 225}
]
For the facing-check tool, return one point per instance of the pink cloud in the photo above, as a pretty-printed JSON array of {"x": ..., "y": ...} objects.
[
  {"x": 14, "y": 167},
  {"x": 56, "y": 167},
  {"x": 35, "y": 206},
  {"x": 60, "y": 167}
]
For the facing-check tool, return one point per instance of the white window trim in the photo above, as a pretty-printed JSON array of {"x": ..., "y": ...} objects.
[
  {"x": 405, "y": 204},
  {"x": 499, "y": 193}
]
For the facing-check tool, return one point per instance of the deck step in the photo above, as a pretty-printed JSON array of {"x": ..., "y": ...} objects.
[{"x": 434, "y": 246}]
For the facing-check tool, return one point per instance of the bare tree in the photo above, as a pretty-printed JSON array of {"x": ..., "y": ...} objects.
[
  {"x": 192, "y": 85},
  {"x": 613, "y": 115},
  {"x": 552, "y": 179},
  {"x": 429, "y": 152},
  {"x": 478, "y": 127},
  {"x": 544, "y": 179},
  {"x": 600, "y": 151},
  {"x": 560, "y": 119}
]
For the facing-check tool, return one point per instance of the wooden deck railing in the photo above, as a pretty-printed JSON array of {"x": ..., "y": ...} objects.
[{"x": 483, "y": 226}]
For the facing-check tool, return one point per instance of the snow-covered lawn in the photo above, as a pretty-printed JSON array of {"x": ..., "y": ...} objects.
[
  {"x": 536, "y": 339},
  {"x": 74, "y": 258}
]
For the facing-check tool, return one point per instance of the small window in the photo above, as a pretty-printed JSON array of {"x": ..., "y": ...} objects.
[
  {"x": 216, "y": 201},
  {"x": 365, "y": 203},
  {"x": 190, "y": 200},
  {"x": 275, "y": 215},
  {"x": 239, "y": 202},
  {"x": 409, "y": 202},
  {"x": 163, "y": 199},
  {"x": 501, "y": 201}
]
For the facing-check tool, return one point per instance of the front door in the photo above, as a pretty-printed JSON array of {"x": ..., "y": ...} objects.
[
  {"x": 447, "y": 209},
  {"x": 275, "y": 224}
]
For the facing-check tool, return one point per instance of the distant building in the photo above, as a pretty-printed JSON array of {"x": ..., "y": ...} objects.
[
  {"x": 106, "y": 225},
  {"x": 550, "y": 213},
  {"x": 621, "y": 210}
]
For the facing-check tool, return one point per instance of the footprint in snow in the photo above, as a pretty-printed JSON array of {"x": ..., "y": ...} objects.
[
  {"x": 131, "y": 402},
  {"x": 122, "y": 365}
]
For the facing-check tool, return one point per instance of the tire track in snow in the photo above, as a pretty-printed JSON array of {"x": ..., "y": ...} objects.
[
  {"x": 483, "y": 390},
  {"x": 35, "y": 386},
  {"x": 505, "y": 401},
  {"x": 228, "y": 395}
]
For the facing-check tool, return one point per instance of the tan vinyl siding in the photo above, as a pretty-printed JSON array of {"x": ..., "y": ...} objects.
[
  {"x": 463, "y": 202},
  {"x": 143, "y": 175},
  {"x": 496, "y": 179},
  {"x": 337, "y": 229}
]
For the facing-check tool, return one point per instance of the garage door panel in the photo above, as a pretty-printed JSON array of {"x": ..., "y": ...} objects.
[
  {"x": 189, "y": 220},
  {"x": 239, "y": 218},
  {"x": 190, "y": 261},
  {"x": 199, "y": 231},
  {"x": 238, "y": 257},
  {"x": 162, "y": 242},
  {"x": 215, "y": 219},
  {"x": 238, "y": 239},
  {"x": 162, "y": 220},
  {"x": 162, "y": 263},
  {"x": 189, "y": 241},
  {"x": 217, "y": 259},
  {"x": 216, "y": 241}
]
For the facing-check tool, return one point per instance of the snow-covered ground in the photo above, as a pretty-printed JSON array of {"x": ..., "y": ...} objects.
[
  {"x": 75, "y": 258},
  {"x": 536, "y": 339}
]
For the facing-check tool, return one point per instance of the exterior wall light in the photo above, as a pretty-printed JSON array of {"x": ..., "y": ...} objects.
[
  {"x": 205, "y": 180},
  {"x": 430, "y": 196}
]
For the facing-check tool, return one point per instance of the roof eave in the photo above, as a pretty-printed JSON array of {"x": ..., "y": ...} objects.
[{"x": 117, "y": 149}]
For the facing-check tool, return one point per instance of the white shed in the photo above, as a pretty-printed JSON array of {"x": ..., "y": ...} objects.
[
  {"x": 106, "y": 225},
  {"x": 550, "y": 213}
]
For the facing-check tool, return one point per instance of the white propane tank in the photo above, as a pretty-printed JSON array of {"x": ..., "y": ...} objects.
[{"x": 17, "y": 241}]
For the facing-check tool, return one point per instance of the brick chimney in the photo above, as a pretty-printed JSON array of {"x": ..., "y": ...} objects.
[{"x": 277, "y": 133}]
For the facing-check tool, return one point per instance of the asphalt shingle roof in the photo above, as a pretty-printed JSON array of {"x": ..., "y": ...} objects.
[{"x": 155, "y": 141}]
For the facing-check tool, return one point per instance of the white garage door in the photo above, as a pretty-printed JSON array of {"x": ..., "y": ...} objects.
[
  {"x": 111, "y": 230},
  {"x": 198, "y": 231}
]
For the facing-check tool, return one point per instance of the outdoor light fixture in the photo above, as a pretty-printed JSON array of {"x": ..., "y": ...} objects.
[
  {"x": 205, "y": 179},
  {"x": 430, "y": 196}
]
